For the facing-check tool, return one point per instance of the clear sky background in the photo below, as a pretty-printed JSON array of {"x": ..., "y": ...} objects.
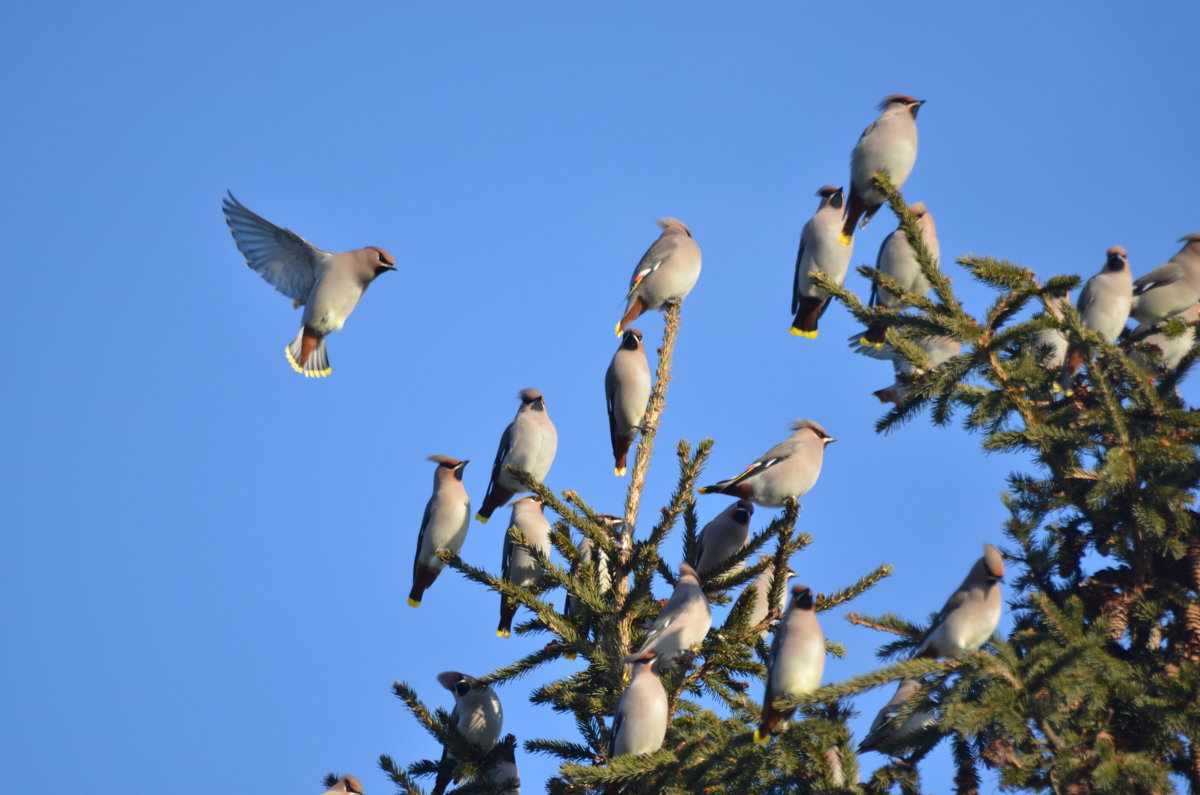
[{"x": 206, "y": 556}]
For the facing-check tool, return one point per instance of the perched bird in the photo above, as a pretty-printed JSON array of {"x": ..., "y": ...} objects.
[
  {"x": 898, "y": 260},
  {"x": 640, "y": 722},
  {"x": 345, "y": 784},
  {"x": 797, "y": 660},
  {"x": 723, "y": 536},
  {"x": 762, "y": 596},
  {"x": 939, "y": 349},
  {"x": 626, "y": 393},
  {"x": 519, "y": 565},
  {"x": 890, "y": 736},
  {"x": 1170, "y": 288},
  {"x": 789, "y": 469},
  {"x": 888, "y": 145},
  {"x": 1103, "y": 306},
  {"x": 820, "y": 250},
  {"x": 971, "y": 614},
  {"x": 683, "y": 622},
  {"x": 444, "y": 525},
  {"x": 589, "y": 554},
  {"x": 529, "y": 443},
  {"x": 477, "y": 715},
  {"x": 504, "y": 773},
  {"x": 666, "y": 273},
  {"x": 328, "y": 285},
  {"x": 1171, "y": 349},
  {"x": 1052, "y": 341}
]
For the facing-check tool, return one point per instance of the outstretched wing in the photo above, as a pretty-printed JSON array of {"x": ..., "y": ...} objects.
[{"x": 288, "y": 262}]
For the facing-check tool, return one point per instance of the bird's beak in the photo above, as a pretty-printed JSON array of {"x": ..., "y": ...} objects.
[{"x": 830, "y": 440}]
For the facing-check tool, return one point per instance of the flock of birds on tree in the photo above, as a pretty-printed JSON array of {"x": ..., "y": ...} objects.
[{"x": 330, "y": 285}]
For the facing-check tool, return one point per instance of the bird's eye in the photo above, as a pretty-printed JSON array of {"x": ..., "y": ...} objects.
[{"x": 381, "y": 259}]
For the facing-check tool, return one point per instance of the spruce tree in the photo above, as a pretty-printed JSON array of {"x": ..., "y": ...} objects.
[{"x": 1094, "y": 690}]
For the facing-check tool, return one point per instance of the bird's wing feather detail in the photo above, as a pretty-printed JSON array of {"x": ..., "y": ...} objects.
[{"x": 288, "y": 262}]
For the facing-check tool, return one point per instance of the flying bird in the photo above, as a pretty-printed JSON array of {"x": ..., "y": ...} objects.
[
  {"x": 888, "y": 145},
  {"x": 820, "y": 251},
  {"x": 529, "y": 443},
  {"x": 666, "y": 273},
  {"x": 328, "y": 285}
]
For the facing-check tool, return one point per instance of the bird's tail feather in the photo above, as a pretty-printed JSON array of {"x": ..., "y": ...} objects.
[{"x": 307, "y": 355}]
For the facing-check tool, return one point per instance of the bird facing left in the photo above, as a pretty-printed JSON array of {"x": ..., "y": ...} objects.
[{"x": 328, "y": 285}]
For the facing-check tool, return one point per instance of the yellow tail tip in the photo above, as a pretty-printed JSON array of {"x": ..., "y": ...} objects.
[
  {"x": 759, "y": 738},
  {"x": 799, "y": 332},
  {"x": 413, "y": 602},
  {"x": 704, "y": 490},
  {"x": 844, "y": 239},
  {"x": 297, "y": 304},
  {"x": 481, "y": 518},
  {"x": 287, "y": 351},
  {"x": 502, "y": 633},
  {"x": 569, "y": 656},
  {"x": 619, "y": 471},
  {"x": 618, "y": 330},
  {"x": 866, "y": 343},
  {"x": 877, "y": 345}
]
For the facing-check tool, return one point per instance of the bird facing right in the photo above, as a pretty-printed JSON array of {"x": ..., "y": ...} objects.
[
  {"x": 444, "y": 525},
  {"x": 789, "y": 469},
  {"x": 683, "y": 621},
  {"x": 666, "y": 273},
  {"x": 328, "y": 285},
  {"x": 888, "y": 145},
  {"x": 971, "y": 614}
]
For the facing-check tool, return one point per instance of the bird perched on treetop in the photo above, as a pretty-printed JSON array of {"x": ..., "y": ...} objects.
[
  {"x": 1103, "y": 305},
  {"x": 529, "y": 443},
  {"x": 477, "y": 715},
  {"x": 723, "y": 537},
  {"x": 797, "y": 660},
  {"x": 888, "y": 145},
  {"x": 887, "y": 734},
  {"x": 1172, "y": 349},
  {"x": 682, "y": 623},
  {"x": 640, "y": 721},
  {"x": 971, "y": 614},
  {"x": 821, "y": 251},
  {"x": 328, "y": 285},
  {"x": 626, "y": 393},
  {"x": 667, "y": 272},
  {"x": 1170, "y": 288},
  {"x": 518, "y": 565},
  {"x": 789, "y": 469},
  {"x": 444, "y": 525},
  {"x": 898, "y": 260}
]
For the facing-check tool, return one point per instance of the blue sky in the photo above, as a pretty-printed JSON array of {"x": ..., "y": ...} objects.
[{"x": 207, "y": 556}]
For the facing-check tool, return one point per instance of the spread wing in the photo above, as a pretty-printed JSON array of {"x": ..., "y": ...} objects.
[{"x": 288, "y": 262}]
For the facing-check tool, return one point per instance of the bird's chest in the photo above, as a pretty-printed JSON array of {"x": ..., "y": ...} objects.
[{"x": 331, "y": 302}]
